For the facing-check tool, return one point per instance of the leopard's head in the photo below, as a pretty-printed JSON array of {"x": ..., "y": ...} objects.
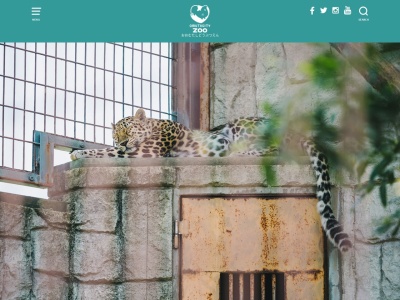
[{"x": 130, "y": 132}]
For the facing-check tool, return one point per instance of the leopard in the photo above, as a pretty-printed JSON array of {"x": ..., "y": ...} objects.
[{"x": 141, "y": 137}]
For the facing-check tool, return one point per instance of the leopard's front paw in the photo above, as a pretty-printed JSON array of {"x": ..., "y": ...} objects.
[{"x": 76, "y": 154}]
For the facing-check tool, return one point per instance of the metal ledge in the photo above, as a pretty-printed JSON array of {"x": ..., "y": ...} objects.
[{"x": 43, "y": 159}]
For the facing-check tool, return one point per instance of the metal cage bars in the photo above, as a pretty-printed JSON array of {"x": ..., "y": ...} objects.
[
  {"x": 75, "y": 91},
  {"x": 187, "y": 82},
  {"x": 252, "y": 286}
]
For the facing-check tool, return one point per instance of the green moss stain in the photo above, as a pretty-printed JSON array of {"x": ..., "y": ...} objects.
[
  {"x": 72, "y": 239},
  {"x": 120, "y": 236},
  {"x": 28, "y": 259}
]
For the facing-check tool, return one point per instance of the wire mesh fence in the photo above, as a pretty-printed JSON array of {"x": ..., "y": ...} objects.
[{"x": 77, "y": 90}]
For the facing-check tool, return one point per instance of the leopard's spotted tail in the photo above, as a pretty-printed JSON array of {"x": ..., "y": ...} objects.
[{"x": 331, "y": 226}]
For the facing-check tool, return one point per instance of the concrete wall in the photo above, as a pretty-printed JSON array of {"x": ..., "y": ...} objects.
[
  {"x": 114, "y": 240},
  {"x": 243, "y": 77},
  {"x": 33, "y": 253}
]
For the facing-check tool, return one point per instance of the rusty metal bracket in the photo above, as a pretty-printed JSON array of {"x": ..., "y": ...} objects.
[
  {"x": 43, "y": 154},
  {"x": 43, "y": 159}
]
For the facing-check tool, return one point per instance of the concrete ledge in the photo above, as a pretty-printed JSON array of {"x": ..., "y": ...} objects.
[{"x": 177, "y": 172}]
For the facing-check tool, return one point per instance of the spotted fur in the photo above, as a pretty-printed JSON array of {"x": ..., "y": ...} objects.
[
  {"x": 140, "y": 136},
  {"x": 331, "y": 226}
]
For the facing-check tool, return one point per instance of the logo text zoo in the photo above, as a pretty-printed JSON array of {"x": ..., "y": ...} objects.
[{"x": 200, "y": 14}]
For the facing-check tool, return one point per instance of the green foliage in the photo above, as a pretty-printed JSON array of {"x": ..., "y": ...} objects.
[
  {"x": 269, "y": 172},
  {"x": 390, "y": 224},
  {"x": 358, "y": 128},
  {"x": 326, "y": 71}
]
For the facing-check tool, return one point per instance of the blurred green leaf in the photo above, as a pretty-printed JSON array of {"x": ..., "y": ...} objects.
[
  {"x": 269, "y": 172},
  {"x": 385, "y": 225},
  {"x": 389, "y": 177},
  {"x": 383, "y": 194},
  {"x": 390, "y": 224},
  {"x": 325, "y": 70},
  {"x": 380, "y": 168},
  {"x": 396, "y": 229},
  {"x": 355, "y": 126}
]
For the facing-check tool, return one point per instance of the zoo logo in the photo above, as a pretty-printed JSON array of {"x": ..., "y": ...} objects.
[{"x": 199, "y": 13}]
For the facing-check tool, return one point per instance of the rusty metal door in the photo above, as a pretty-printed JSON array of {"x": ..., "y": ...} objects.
[{"x": 251, "y": 248}]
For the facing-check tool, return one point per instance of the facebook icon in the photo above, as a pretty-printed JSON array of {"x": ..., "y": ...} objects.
[{"x": 312, "y": 10}]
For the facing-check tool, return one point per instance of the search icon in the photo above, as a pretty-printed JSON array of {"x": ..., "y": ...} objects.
[{"x": 363, "y": 11}]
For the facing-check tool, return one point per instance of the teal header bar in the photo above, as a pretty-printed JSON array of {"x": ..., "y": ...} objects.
[{"x": 200, "y": 21}]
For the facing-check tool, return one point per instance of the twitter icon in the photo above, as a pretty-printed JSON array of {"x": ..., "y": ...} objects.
[{"x": 323, "y": 10}]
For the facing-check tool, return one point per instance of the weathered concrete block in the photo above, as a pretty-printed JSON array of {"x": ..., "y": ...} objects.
[
  {"x": 243, "y": 175},
  {"x": 344, "y": 209},
  {"x": 159, "y": 230},
  {"x": 75, "y": 178},
  {"x": 15, "y": 269},
  {"x": 95, "y": 209},
  {"x": 157, "y": 290},
  {"x": 51, "y": 251},
  {"x": 232, "y": 86},
  {"x": 96, "y": 257},
  {"x": 216, "y": 176},
  {"x": 272, "y": 73},
  {"x": 110, "y": 177},
  {"x": 13, "y": 220},
  {"x": 135, "y": 233},
  {"x": 369, "y": 213},
  {"x": 89, "y": 177},
  {"x": 99, "y": 291},
  {"x": 294, "y": 175},
  {"x": 348, "y": 285},
  {"x": 58, "y": 180},
  {"x": 161, "y": 290},
  {"x": 47, "y": 287},
  {"x": 271, "y": 81},
  {"x": 368, "y": 271},
  {"x": 122, "y": 176},
  {"x": 148, "y": 234},
  {"x": 136, "y": 290},
  {"x": 154, "y": 176},
  {"x": 296, "y": 55},
  {"x": 48, "y": 218},
  {"x": 390, "y": 270}
]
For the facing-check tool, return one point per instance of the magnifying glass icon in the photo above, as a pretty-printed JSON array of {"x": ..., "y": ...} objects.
[{"x": 363, "y": 11}]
